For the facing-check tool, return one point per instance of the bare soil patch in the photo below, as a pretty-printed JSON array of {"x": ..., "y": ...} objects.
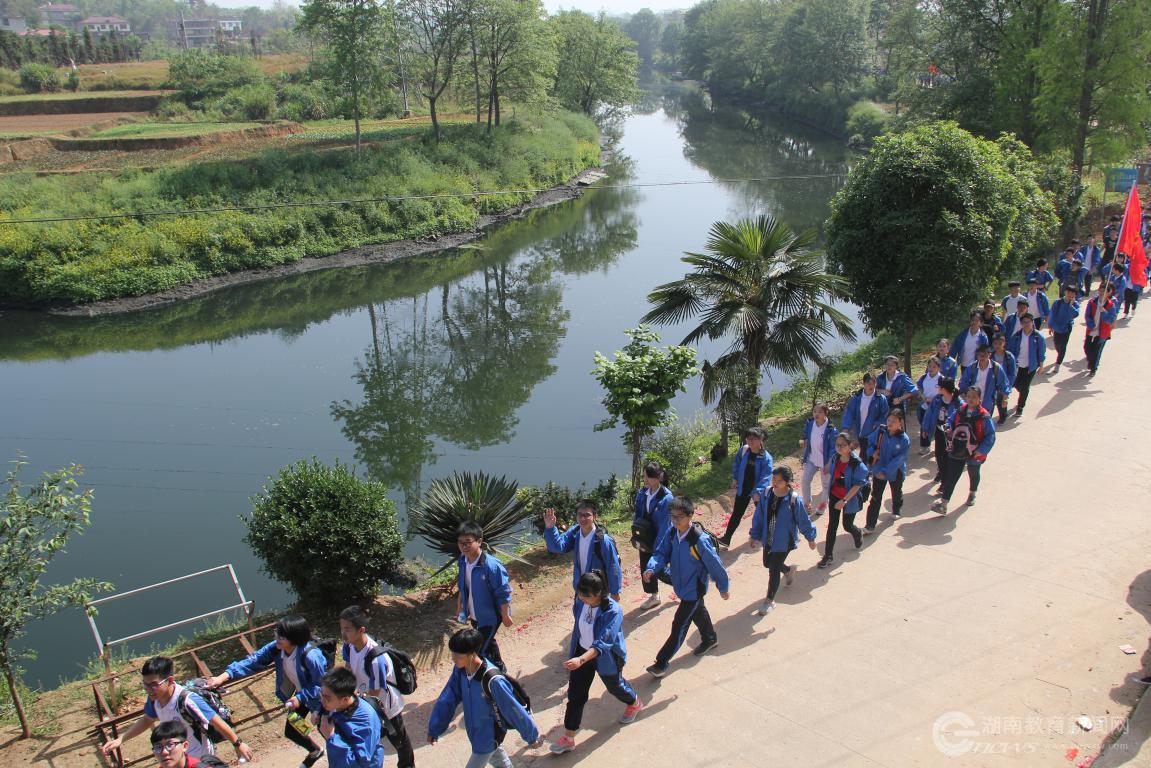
[{"x": 59, "y": 123}]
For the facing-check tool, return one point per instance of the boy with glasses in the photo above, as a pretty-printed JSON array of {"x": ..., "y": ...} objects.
[
  {"x": 170, "y": 746},
  {"x": 485, "y": 593},
  {"x": 594, "y": 547},
  {"x": 168, "y": 701}
]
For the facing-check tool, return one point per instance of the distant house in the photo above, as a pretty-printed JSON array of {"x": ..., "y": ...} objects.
[
  {"x": 104, "y": 24},
  {"x": 13, "y": 25},
  {"x": 37, "y": 33},
  {"x": 60, "y": 15},
  {"x": 206, "y": 33}
]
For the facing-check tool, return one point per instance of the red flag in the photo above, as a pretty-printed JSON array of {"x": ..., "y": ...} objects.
[{"x": 1130, "y": 242}]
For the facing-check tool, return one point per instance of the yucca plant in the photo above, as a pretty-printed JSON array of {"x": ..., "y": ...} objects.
[{"x": 489, "y": 501}]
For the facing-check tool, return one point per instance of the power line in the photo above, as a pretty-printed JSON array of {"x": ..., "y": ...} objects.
[{"x": 397, "y": 198}]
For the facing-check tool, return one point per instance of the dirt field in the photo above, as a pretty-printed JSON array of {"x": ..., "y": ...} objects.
[{"x": 30, "y": 124}]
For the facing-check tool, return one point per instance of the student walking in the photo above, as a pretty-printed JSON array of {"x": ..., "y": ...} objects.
[
  {"x": 866, "y": 410},
  {"x": 749, "y": 478},
  {"x": 967, "y": 343},
  {"x": 1010, "y": 302},
  {"x": 1091, "y": 257},
  {"x": 888, "y": 467},
  {"x": 649, "y": 523},
  {"x": 375, "y": 675},
  {"x": 1063, "y": 314},
  {"x": 1099, "y": 316},
  {"x": 1030, "y": 350},
  {"x": 989, "y": 376},
  {"x": 848, "y": 479},
  {"x": 894, "y": 384},
  {"x": 948, "y": 365},
  {"x": 597, "y": 647},
  {"x": 350, "y": 725},
  {"x": 170, "y": 702},
  {"x": 491, "y": 706},
  {"x": 1006, "y": 360},
  {"x": 171, "y": 747},
  {"x": 818, "y": 446},
  {"x": 989, "y": 320},
  {"x": 928, "y": 386},
  {"x": 300, "y": 665},
  {"x": 779, "y": 519},
  {"x": 937, "y": 422},
  {"x": 1038, "y": 304},
  {"x": 688, "y": 551},
  {"x": 485, "y": 594},
  {"x": 970, "y": 437},
  {"x": 1012, "y": 324},
  {"x": 593, "y": 547},
  {"x": 1041, "y": 275}
]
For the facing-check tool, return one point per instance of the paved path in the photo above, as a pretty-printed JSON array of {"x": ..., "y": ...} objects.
[{"x": 975, "y": 639}]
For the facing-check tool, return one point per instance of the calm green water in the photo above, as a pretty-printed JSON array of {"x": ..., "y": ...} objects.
[{"x": 467, "y": 360}]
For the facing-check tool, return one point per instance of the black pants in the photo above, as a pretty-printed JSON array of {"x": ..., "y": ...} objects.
[
  {"x": 1130, "y": 299},
  {"x": 1023, "y": 386},
  {"x": 1093, "y": 349},
  {"x": 877, "y": 487},
  {"x": 737, "y": 512},
  {"x": 833, "y": 527},
  {"x": 297, "y": 738},
  {"x": 652, "y": 587},
  {"x": 579, "y": 685},
  {"x": 490, "y": 650},
  {"x": 397, "y": 734},
  {"x": 940, "y": 454},
  {"x": 1001, "y": 408},
  {"x": 924, "y": 434},
  {"x": 776, "y": 563},
  {"x": 952, "y": 473},
  {"x": 1087, "y": 284},
  {"x": 687, "y": 613},
  {"x": 1061, "y": 340}
]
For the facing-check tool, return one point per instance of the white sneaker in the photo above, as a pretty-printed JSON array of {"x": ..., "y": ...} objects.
[
  {"x": 651, "y": 602},
  {"x": 764, "y": 609}
]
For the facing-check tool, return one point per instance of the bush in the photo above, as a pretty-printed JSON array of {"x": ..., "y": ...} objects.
[
  {"x": 563, "y": 500},
  {"x": 867, "y": 119},
  {"x": 198, "y": 74},
  {"x": 249, "y": 102},
  {"x": 39, "y": 78},
  {"x": 489, "y": 501},
  {"x": 72, "y": 82},
  {"x": 300, "y": 102},
  {"x": 678, "y": 446},
  {"x": 325, "y": 532}
]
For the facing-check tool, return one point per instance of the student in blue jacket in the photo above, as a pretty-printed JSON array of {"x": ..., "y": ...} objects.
[
  {"x": 693, "y": 561},
  {"x": 1038, "y": 304},
  {"x": 490, "y": 705},
  {"x": 888, "y": 467},
  {"x": 928, "y": 388},
  {"x": 300, "y": 666},
  {"x": 937, "y": 422},
  {"x": 1090, "y": 255},
  {"x": 895, "y": 385},
  {"x": 970, "y": 437},
  {"x": 848, "y": 477},
  {"x": 818, "y": 446},
  {"x": 593, "y": 547},
  {"x": 1022, "y": 307},
  {"x": 967, "y": 343},
  {"x": 1003, "y": 357},
  {"x": 1030, "y": 350},
  {"x": 779, "y": 519},
  {"x": 485, "y": 594},
  {"x": 989, "y": 376},
  {"x": 597, "y": 647},
  {"x": 866, "y": 411},
  {"x": 948, "y": 365},
  {"x": 1040, "y": 274},
  {"x": 1074, "y": 278},
  {"x": 1063, "y": 314},
  {"x": 749, "y": 478},
  {"x": 350, "y": 726},
  {"x": 989, "y": 320},
  {"x": 651, "y": 507}
]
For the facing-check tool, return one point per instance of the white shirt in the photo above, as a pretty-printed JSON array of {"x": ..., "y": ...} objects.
[
  {"x": 469, "y": 566},
  {"x": 393, "y": 701},
  {"x": 930, "y": 387},
  {"x": 170, "y": 712},
  {"x": 864, "y": 406},
  {"x": 289, "y": 665},
  {"x": 817, "y": 433},
  {"x": 1033, "y": 303},
  {"x": 587, "y": 626},
  {"x": 1009, "y": 305},
  {"x": 1025, "y": 341},
  {"x": 969, "y": 348},
  {"x": 983, "y": 377},
  {"x": 584, "y": 551}
]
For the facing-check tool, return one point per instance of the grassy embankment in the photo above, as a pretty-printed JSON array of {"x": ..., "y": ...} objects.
[{"x": 82, "y": 261}]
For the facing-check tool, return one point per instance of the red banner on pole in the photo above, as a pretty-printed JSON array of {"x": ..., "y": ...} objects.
[{"x": 1130, "y": 241}]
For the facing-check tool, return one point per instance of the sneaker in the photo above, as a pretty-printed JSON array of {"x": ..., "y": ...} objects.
[
  {"x": 939, "y": 507},
  {"x": 764, "y": 609},
  {"x": 1001, "y": 420},
  {"x": 651, "y": 602},
  {"x": 868, "y": 531},
  {"x": 705, "y": 646},
  {"x": 657, "y": 670},
  {"x": 826, "y": 561},
  {"x": 924, "y": 451},
  {"x": 858, "y": 540},
  {"x": 789, "y": 577},
  {"x": 312, "y": 759},
  {"x": 1144, "y": 680},
  {"x": 722, "y": 545},
  {"x": 1018, "y": 412},
  {"x": 630, "y": 713},
  {"x": 896, "y": 514},
  {"x": 971, "y": 499},
  {"x": 563, "y": 744},
  {"x": 1056, "y": 368},
  {"x": 815, "y": 514}
]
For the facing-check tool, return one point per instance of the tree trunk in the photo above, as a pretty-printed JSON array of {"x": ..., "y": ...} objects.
[
  {"x": 476, "y": 75},
  {"x": 1096, "y": 19},
  {"x": 636, "y": 457},
  {"x": 908, "y": 333},
  {"x": 496, "y": 99},
  {"x": 12, "y": 689},
  {"x": 435, "y": 117}
]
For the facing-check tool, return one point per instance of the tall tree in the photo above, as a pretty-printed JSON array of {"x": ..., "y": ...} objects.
[
  {"x": 763, "y": 287},
  {"x": 597, "y": 63},
  {"x": 518, "y": 50},
  {"x": 644, "y": 28},
  {"x": 437, "y": 31}
]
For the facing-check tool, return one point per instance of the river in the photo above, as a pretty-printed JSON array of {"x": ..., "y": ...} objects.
[{"x": 474, "y": 359}]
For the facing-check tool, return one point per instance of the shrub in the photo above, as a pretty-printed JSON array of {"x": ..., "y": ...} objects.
[
  {"x": 325, "y": 532},
  {"x": 678, "y": 445},
  {"x": 198, "y": 74},
  {"x": 563, "y": 500},
  {"x": 300, "y": 102},
  {"x": 39, "y": 78},
  {"x": 249, "y": 102},
  {"x": 489, "y": 501},
  {"x": 867, "y": 119},
  {"x": 72, "y": 82}
]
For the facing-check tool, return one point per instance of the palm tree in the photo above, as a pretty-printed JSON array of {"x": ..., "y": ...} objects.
[{"x": 765, "y": 288}]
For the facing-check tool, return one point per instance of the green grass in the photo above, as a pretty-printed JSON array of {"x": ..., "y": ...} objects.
[
  {"x": 166, "y": 130},
  {"x": 68, "y": 95}
]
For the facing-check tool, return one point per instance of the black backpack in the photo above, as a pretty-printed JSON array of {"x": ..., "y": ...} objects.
[
  {"x": 402, "y": 666},
  {"x": 643, "y": 534},
  {"x": 328, "y": 648},
  {"x": 865, "y": 491},
  {"x": 211, "y": 697},
  {"x": 489, "y": 673},
  {"x": 962, "y": 442},
  {"x": 598, "y": 545},
  {"x": 694, "y": 534},
  {"x": 211, "y": 761}
]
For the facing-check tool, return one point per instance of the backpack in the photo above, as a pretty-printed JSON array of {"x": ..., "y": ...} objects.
[
  {"x": 402, "y": 666},
  {"x": 211, "y": 697},
  {"x": 963, "y": 440},
  {"x": 694, "y": 534},
  {"x": 489, "y": 673},
  {"x": 328, "y": 648},
  {"x": 598, "y": 546},
  {"x": 643, "y": 534},
  {"x": 206, "y": 761},
  {"x": 376, "y": 703}
]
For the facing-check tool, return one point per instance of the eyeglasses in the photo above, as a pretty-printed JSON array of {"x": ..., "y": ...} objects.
[
  {"x": 679, "y": 517},
  {"x": 167, "y": 746},
  {"x": 154, "y": 685},
  {"x": 585, "y": 515}
]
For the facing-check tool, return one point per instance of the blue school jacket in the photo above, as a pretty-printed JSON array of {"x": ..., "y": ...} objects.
[
  {"x": 1089, "y": 255},
  {"x": 949, "y": 367},
  {"x": 961, "y": 340},
  {"x": 355, "y": 739},
  {"x": 1117, "y": 277},
  {"x": 984, "y": 432},
  {"x": 939, "y": 413},
  {"x": 568, "y": 541},
  {"x": 479, "y": 719},
  {"x": 659, "y": 514},
  {"x": 1044, "y": 309},
  {"x": 1010, "y": 366},
  {"x": 492, "y": 588},
  {"x": 1044, "y": 277},
  {"x": 899, "y": 386},
  {"x": 1062, "y": 269},
  {"x": 790, "y": 521},
  {"x": 1073, "y": 279},
  {"x": 311, "y": 666},
  {"x": 1063, "y": 316},
  {"x": 892, "y": 453},
  {"x": 828, "y": 442},
  {"x": 689, "y": 573},
  {"x": 1011, "y": 326},
  {"x": 607, "y": 631},
  {"x": 762, "y": 469},
  {"x": 997, "y": 385},
  {"x": 1038, "y": 349},
  {"x": 859, "y": 475},
  {"x": 863, "y": 426}
]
